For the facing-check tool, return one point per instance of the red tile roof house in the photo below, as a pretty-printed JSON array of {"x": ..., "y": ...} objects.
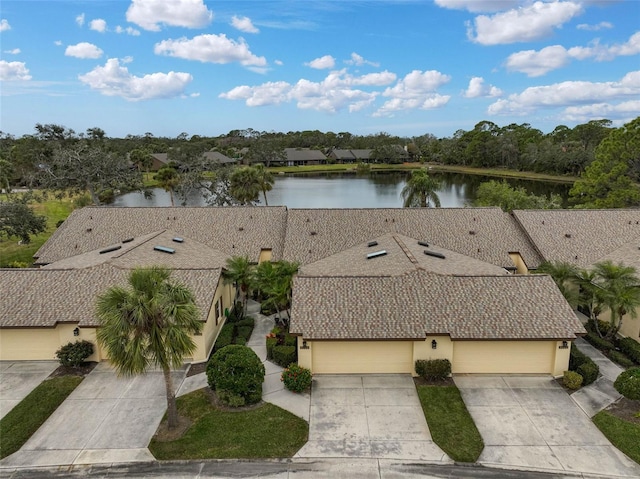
[{"x": 376, "y": 315}]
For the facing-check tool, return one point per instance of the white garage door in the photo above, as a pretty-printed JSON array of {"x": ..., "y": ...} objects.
[
  {"x": 362, "y": 357},
  {"x": 503, "y": 357}
]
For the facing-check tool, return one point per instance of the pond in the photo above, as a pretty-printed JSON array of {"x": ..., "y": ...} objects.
[{"x": 348, "y": 190}]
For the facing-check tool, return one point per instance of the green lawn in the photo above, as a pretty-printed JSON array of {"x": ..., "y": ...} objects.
[
  {"x": 55, "y": 210},
  {"x": 27, "y": 416},
  {"x": 264, "y": 432},
  {"x": 622, "y": 434},
  {"x": 451, "y": 426}
]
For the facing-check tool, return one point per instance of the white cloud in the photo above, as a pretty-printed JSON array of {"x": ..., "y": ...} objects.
[
  {"x": 596, "y": 27},
  {"x": 624, "y": 110},
  {"x": 83, "y": 50},
  {"x": 477, "y": 89},
  {"x": 358, "y": 60},
  {"x": 149, "y": 14},
  {"x": 4, "y": 25},
  {"x": 115, "y": 80},
  {"x": 523, "y": 24},
  {"x": 80, "y": 19},
  {"x": 415, "y": 91},
  {"x": 566, "y": 94},
  {"x": 322, "y": 63},
  {"x": 10, "y": 71},
  {"x": 243, "y": 24},
  {"x": 537, "y": 63},
  {"x": 58, "y": 43},
  {"x": 279, "y": 62},
  {"x": 477, "y": 6},
  {"x": 129, "y": 31},
  {"x": 98, "y": 24},
  {"x": 211, "y": 49},
  {"x": 15, "y": 51}
]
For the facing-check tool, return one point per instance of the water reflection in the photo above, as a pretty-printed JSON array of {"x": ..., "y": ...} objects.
[{"x": 348, "y": 190}]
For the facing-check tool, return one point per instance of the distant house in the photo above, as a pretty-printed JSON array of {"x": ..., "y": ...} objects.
[
  {"x": 304, "y": 156},
  {"x": 342, "y": 156},
  {"x": 161, "y": 159}
]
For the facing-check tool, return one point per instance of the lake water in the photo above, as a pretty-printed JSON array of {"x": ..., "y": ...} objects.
[{"x": 348, "y": 190}]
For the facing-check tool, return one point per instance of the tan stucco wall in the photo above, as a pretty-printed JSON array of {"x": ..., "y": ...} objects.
[
  {"x": 561, "y": 362},
  {"x": 424, "y": 349},
  {"x": 630, "y": 327},
  {"x": 210, "y": 329},
  {"x": 504, "y": 357},
  {"x": 521, "y": 267}
]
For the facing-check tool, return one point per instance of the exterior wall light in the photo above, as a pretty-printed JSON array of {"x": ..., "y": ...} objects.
[
  {"x": 76, "y": 332},
  {"x": 304, "y": 344},
  {"x": 564, "y": 345},
  {"x": 434, "y": 344}
]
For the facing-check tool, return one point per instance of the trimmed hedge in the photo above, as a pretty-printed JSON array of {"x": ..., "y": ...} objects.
[
  {"x": 271, "y": 343},
  {"x": 600, "y": 343},
  {"x": 628, "y": 383},
  {"x": 621, "y": 359},
  {"x": 583, "y": 365},
  {"x": 74, "y": 354},
  {"x": 572, "y": 380},
  {"x": 433, "y": 369},
  {"x": 225, "y": 338},
  {"x": 631, "y": 348},
  {"x": 236, "y": 373},
  {"x": 284, "y": 355}
]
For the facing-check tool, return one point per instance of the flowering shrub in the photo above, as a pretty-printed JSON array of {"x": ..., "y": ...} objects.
[{"x": 296, "y": 378}]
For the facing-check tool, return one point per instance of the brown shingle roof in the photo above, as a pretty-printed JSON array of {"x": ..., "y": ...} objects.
[
  {"x": 486, "y": 234},
  {"x": 581, "y": 237},
  {"x": 304, "y": 154},
  {"x": 45, "y": 297},
  {"x": 417, "y": 304},
  {"x": 233, "y": 231}
]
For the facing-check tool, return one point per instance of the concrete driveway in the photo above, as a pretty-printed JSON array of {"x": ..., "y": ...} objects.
[
  {"x": 106, "y": 419},
  {"x": 530, "y": 422},
  {"x": 18, "y": 379},
  {"x": 368, "y": 416}
]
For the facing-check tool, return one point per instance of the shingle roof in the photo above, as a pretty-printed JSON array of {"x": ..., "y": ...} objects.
[
  {"x": 418, "y": 303},
  {"x": 486, "y": 234},
  {"x": 45, "y": 297},
  {"x": 581, "y": 237},
  {"x": 304, "y": 154},
  {"x": 232, "y": 231},
  {"x": 362, "y": 154},
  {"x": 342, "y": 154}
]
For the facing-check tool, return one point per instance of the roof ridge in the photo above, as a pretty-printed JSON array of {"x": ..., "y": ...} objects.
[{"x": 404, "y": 249}]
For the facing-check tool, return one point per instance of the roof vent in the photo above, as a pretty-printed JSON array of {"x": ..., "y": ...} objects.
[
  {"x": 423, "y": 243},
  {"x": 434, "y": 254},
  {"x": 127, "y": 240},
  {"x": 313, "y": 233},
  {"x": 164, "y": 249},
  {"x": 89, "y": 230},
  {"x": 241, "y": 229},
  {"x": 471, "y": 232},
  {"x": 110, "y": 249},
  {"x": 376, "y": 254},
  {"x": 177, "y": 239},
  {"x": 372, "y": 243},
  {"x": 567, "y": 235}
]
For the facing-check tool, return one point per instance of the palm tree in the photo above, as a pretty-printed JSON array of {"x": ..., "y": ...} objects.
[
  {"x": 620, "y": 292},
  {"x": 150, "y": 323},
  {"x": 168, "y": 178},
  {"x": 244, "y": 185},
  {"x": 590, "y": 296},
  {"x": 420, "y": 190},
  {"x": 565, "y": 276},
  {"x": 239, "y": 272},
  {"x": 265, "y": 179},
  {"x": 278, "y": 291}
]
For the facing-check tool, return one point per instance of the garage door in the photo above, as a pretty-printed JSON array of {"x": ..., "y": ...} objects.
[
  {"x": 503, "y": 357},
  {"x": 362, "y": 357}
]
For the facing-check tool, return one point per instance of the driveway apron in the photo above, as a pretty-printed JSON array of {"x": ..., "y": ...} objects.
[
  {"x": 530, "y": 422},
  {"x": 106, "y": 419},
  {"x": 368, "y": 416},
  {"x": 19, "y": 378}
]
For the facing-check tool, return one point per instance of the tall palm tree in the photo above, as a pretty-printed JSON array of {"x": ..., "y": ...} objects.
[
  {"x": 244, "y": 185},
  {"x": 420, "y": 190},
  {"x": 150, "y": 323},
  {"x": 265, "y": 179},
  {"x": 620, "y": 290},
  {"x": 278, "y": 291},
  {"x": 565, "y": 276},
  {"x": 168, "y": 178},
  {"x": 590, "y": 296},
  {"x": 239, "y": 272}
]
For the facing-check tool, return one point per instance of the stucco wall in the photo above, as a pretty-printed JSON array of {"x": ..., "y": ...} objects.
[
  {"x": 42, "y": 343},
  {"x": 504, "y": 357}
]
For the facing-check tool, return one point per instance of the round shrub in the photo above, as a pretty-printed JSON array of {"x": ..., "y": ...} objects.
[
  {"x": 572, "y": 380},
  {"x": 628, "y": 383},
  {"x": 236, "y": 373},
  {"x": 589, "y": 371},
  {"x": 296, "y": 378},
  {"x": 74, "y": 354}
]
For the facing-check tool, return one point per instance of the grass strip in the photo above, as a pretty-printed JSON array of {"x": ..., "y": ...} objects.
[
  {"x": 451, "y": 425},
  {"x": 29, "y": 414},
  {"x": 623, "y": 434},
  {"x": 264, "y": 432}
]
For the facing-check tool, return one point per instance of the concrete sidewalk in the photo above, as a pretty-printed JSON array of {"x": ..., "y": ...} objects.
[
  {"x": 19, "y": 378},
  {"x": 600, "y": 394}
]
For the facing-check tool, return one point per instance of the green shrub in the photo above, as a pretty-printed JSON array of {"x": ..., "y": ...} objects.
[
  {"x": 284, "y": 355},
  {"x": 271, "y": 342},
  {"x": 572, "y": 380},
  {"x": 240, "y": 340},
  {"x": 589, "y": 371},
  {"x": 74, "y": 354},
  {"x": 576, "y": 358},
  {"x": 628, "y": 383},
  {"x": 18, "y": 264},
  {"x": 433, "y": 369},
  {"x": 631, "y": 348},
  {"x": 620, "y": 358},
  {"x": 603, "y": 326},
  {"x": 290, "y": 340},
  {"x": 236, "y": 371},
  {"x": 246, "y": 322},
  {"x": 244, "y": 332},
  {"x": 225, "y": 338},
  {"x": 600, "y": 343},
  {"x": 296, "y": 378}
]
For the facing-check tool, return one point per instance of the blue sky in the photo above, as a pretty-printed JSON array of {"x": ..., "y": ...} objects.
[{"x": 403, "y": 67}]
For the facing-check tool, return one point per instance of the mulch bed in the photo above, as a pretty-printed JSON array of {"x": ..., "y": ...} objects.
[
  {"x": 196, "y": 369},
  {"x": 82, "y": 370},
  {"x": 626, "y": 409},
  {"x": 419, "y": 381}
]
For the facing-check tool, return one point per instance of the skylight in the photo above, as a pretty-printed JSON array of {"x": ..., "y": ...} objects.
[
  {"x": 434, "y": 254},
  {"x": 164, "y": 249},
  {"x": 178, "y": 240},
  {"x": 110, "y": 249},
  {"x": 376, "y": 254}
]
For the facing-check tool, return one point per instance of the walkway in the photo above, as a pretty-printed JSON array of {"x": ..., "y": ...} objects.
[{"x": 19, "y": 378}]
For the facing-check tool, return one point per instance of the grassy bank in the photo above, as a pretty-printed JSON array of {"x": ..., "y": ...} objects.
[
  {"x": 623, "y": 434},
  {"x": 264, "y": 432},
  {"x": 451, "y": 425},
  {"x": 55, "y": 210},
  {"x": 27, "y": 416}
]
